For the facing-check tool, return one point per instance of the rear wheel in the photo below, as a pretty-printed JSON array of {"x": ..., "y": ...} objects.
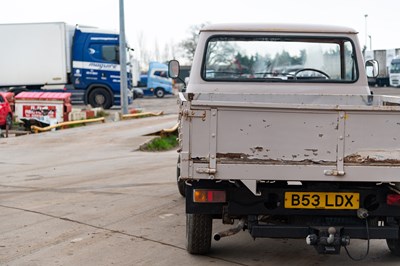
[
  {"x": 198, "y": 233},
  {"x": 159, "y": 92},
  {"x": 394, "y": 246},
  {"x": 100, "y": 97},
  {"x": 181, "y": 183},
  {"x": 8, "y": 122}
]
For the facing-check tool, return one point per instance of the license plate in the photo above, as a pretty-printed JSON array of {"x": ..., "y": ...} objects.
[{"x": 322, "y": 200}]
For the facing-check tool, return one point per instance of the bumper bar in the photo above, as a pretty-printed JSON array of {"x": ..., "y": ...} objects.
[{"x": 277, "y": 231}]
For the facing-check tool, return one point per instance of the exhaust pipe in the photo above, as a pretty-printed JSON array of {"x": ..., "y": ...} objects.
[{"x": 231, "y": 231}]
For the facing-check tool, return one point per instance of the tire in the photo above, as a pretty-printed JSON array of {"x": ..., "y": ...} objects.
[
  {"x": 198, "y": 233},
  {"x": 182, "y": 187},
  {"x": 159, "y": 92},
  {"x": 100, "y": 97},
  {"x": 9, "y": 121},
  {"x": 181, "y": 183},
  {"x": 394, "y": 246}
]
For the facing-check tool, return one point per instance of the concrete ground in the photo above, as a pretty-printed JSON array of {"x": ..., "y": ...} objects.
[{"x": 87, "y": 196}]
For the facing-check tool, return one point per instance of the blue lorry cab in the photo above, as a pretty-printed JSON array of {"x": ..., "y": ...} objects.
[{"x": 96, "y": 68}]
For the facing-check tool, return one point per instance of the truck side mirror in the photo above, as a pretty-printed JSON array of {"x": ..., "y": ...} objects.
[
  {"x": 372, "y": 68},
  {"x": 173, "y": 69}
]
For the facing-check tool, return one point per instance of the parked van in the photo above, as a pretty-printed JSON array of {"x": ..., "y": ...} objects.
[{"x": 156, "y": 82}]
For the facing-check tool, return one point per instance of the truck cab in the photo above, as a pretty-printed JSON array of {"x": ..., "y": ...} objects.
[
  {"x": 267, "y": 63},
  {"x": 156, "y": 81},
  {"x": 96, "y": 67},
  {"x": 395, "y": 72}
]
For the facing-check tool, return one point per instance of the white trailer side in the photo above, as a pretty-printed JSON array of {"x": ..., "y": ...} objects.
[{"x": 35, "y": 54}]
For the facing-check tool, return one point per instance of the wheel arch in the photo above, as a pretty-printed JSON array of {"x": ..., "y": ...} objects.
[{"x": 160, "y": 88}]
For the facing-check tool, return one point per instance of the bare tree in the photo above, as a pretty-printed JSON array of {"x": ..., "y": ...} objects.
[
  {"x": 144, "y": 54},
  {"x": 156, "y": 51},
  {"x": 166, "y": 54},
  {"x": 189, "y": 45},
  {"x": 173, "y": 49}
]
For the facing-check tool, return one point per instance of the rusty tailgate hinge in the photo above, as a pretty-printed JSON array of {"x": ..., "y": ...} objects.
[{"x": 193, "y": 114}]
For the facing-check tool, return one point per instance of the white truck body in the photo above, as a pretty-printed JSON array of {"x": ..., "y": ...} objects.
[
  {"x": 35, "y": 53},
  {"x": 395, "y": 71},
  {"x": 385, "y": 60},
  {"x": 289, "y": 141}
]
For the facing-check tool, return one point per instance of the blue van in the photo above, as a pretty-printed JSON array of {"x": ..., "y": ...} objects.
[{"x": 158, "y": 83}]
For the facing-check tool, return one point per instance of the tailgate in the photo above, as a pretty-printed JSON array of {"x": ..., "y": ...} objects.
[{"x": 290, "y": 137}]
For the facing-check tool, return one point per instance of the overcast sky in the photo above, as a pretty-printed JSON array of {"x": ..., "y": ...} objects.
[{"x": 168, "y": 21}]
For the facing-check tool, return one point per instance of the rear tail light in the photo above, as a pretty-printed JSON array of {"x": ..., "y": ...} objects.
[
  {"x": 209, "y": 196},
  {"x": 393, "y": 199}
]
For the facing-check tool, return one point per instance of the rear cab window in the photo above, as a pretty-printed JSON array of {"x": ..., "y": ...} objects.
[{"x": 279, "y": 59}]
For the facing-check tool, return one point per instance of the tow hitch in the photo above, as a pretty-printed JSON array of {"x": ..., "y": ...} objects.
[
  {"x": 231, "y": 231},
  {"x": 327, "y": 241}
]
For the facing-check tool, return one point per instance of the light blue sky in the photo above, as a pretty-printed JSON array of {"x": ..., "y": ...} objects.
[{"x": 167, "y": 22}]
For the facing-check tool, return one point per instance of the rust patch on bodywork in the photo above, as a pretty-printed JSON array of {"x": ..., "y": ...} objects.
[
  {"x": 257, "y": 149},
  {"x": 231, "y": 156},
  {"x": 246, "y": 159},
  {"x": 353, "y": 159},
  {"x": 373, "y": 159},
  {"x": 314, "y": 151}
]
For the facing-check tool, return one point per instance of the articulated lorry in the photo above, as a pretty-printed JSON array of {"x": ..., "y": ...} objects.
[
  {"x": 389, "y": 70},
  {"x": 280, "y": 134},
  {"x": 80, "y": 60}
]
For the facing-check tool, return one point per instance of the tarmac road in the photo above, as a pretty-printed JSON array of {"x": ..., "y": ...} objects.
[
  {"x": 386, "y": 91},
  {"x": 86, "y": 196}
]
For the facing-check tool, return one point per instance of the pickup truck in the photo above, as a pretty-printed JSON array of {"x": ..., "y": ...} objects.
[{"x": 279, "y": 131}]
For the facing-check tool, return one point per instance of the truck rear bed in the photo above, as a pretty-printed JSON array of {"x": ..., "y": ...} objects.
[{"x": 254, "y": 137}]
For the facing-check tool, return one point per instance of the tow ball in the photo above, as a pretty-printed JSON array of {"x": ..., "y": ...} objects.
[{"x": 327, "y": 241}]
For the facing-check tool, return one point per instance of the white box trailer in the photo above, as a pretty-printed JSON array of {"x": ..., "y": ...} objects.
[{"x": 35, "y": 53}]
